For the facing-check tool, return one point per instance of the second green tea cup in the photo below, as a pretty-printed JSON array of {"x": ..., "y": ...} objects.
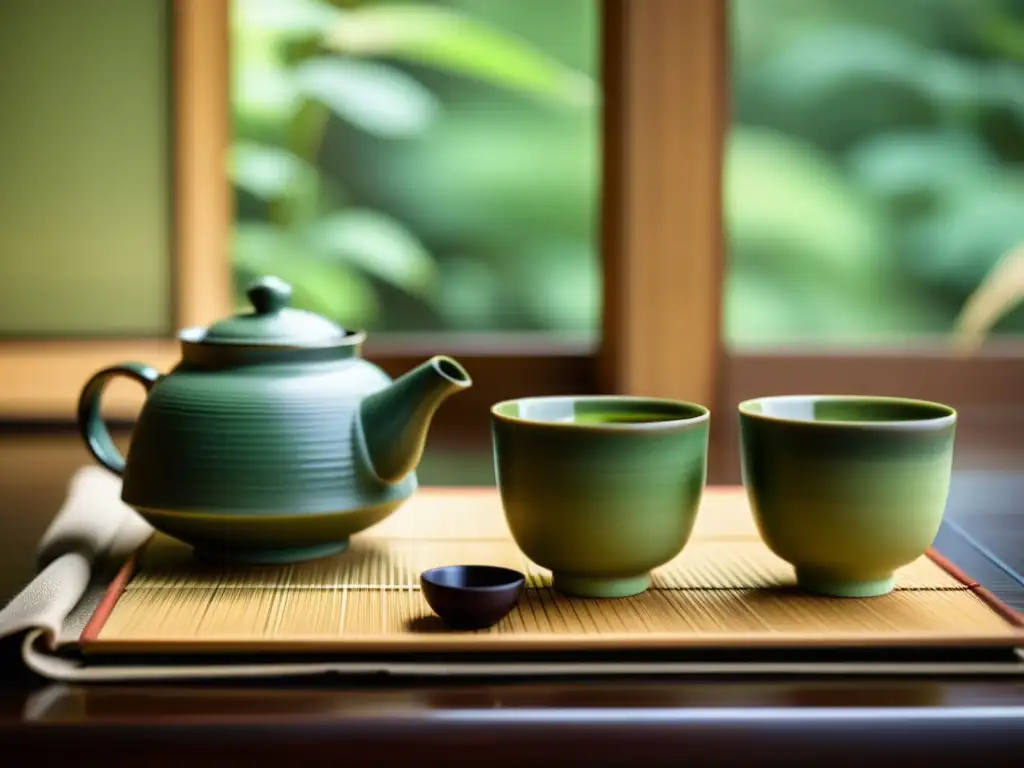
[
  {"x": 600, "y": 490},
  {"x": 847, "y": 489}
]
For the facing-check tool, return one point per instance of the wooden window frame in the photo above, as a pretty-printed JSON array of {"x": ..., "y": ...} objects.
[
  {"x": 651, "y": 254},
  {"x": 40, "y": 379},
  {"x": 665, "y": 122}
]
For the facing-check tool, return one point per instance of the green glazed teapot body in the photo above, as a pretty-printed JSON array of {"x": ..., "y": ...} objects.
[{"x": 272, "y": 440}]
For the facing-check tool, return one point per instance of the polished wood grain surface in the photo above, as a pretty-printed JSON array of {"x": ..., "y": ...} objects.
[{"x": 626, "y": 721}]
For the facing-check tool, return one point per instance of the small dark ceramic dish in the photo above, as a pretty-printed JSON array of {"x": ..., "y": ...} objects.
[{"x": 472, "y": 596}]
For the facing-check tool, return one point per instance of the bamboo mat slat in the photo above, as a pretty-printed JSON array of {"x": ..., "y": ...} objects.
[{"x": 726, "y": 587}]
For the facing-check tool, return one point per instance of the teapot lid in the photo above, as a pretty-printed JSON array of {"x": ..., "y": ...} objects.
[{"x": 273, "y": 323}]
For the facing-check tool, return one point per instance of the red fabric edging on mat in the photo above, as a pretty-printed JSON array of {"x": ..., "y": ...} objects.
[
  {"x": 1007, "y": 613},
  {"x": 113, "y": 594}
]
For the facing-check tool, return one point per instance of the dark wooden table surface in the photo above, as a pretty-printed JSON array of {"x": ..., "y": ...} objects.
[{"x": 946, "y": 721}]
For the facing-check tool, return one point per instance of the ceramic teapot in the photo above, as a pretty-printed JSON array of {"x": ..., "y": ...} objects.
[{"x": 273, "y": 439}]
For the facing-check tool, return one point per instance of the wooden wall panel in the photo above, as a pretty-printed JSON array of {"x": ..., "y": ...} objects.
[{"x": 42, "y": 379}]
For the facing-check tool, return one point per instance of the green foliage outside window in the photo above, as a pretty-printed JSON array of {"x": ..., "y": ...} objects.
[{"x": 434, "y": 165}]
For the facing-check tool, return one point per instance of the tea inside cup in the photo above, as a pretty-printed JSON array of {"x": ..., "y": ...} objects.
[{"x": 846, "y": 488}]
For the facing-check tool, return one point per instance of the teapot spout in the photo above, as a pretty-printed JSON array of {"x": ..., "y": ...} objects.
[{"x": 395, "y": 420}]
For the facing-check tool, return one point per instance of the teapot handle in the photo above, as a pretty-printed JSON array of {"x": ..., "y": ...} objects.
[{"x": 93, "y": 429}]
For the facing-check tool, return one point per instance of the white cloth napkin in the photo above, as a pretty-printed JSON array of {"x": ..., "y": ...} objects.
[{"x": 91, "y": 530}]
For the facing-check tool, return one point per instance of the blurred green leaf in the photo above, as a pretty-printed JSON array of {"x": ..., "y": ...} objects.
[
  {"x": 1003, "y": 85},
  {"x": 446, "y": 39},
  {"x": 956, "y": 85},
  {"x": 789, "y": 208},
  {"x": 900, "y": 165},
  {"x": 380, "y": 246},
  {"x": 374, "y": 97},
  {"x": 954, "y": 248},
  {"x": 305, "y": 132},
  {"x": 284, "y": 17},
  {"x": 270, "y": 173},
  {"x": 262, "y": 93},
  {"x": 472, "y": 293},
  {"x": 319, "y": 284},
  {"x": 759, "y": 310},
  {"x": 559, "y": 283},
  {"x": 864, "y": 314},
  {"x": 826, "y": 59},
  {"x": 1003, "y": 33},
  {"x": 488, "y": 176},
  {"x": 765, "y": 308},
  {"x": 811, "y": 258},
  {"x": 838, "y": 84},
  {"x": 567, "y": 30},
  {"x": 265, "y": 96}
]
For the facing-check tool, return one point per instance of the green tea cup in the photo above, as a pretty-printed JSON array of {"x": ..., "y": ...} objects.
[
  {"x": 600, "y": 490},
  {"x": 846, "y": 489}
]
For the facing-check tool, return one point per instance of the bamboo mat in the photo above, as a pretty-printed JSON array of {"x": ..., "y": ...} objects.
[{"x": 725, "y": 589}]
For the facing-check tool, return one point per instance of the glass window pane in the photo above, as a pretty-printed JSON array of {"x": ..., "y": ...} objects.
[
  {"x": 876, "y": 166},
  {"x": 425, "y": 167}
]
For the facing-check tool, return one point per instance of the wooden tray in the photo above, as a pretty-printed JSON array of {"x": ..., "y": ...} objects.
[{"x": 725, "y": 590}]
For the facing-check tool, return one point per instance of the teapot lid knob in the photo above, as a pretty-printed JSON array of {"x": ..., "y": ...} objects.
[
  {"x": 269, "y": 294},
  {"x": 274, "y": 322}
]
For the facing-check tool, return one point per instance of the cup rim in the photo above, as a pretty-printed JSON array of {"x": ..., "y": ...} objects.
[
  {"x": 945, "y": 414},
  {"x": 703, "y": 412},
  {"x": 514, "y": 579}
]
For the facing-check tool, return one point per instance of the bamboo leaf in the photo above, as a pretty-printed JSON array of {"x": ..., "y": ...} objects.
[
  {"x": 284, "y": 17},
  {"x": 448, "y": 40},
  {"x": 1000, "y": 291},
  {"x": 270, "y": 173},
  {"x": 374, "y": 97},
  {"x": 378, "y": 245}
]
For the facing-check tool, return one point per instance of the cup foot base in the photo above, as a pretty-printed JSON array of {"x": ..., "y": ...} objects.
[
  {"x": 587, "y": 586},
  {"x": 833, "y": 585},
  {"x": 271, "y": 556}
]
